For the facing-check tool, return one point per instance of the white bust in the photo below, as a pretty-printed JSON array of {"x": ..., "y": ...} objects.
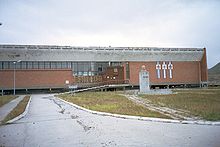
[{"x": 143, "y": 67}]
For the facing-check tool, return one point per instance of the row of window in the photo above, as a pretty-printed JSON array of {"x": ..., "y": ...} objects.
[
  {"x": 78, "y": 68},
  {"x": 165, "y": 67},
  {"x": 34, "y": 65}
]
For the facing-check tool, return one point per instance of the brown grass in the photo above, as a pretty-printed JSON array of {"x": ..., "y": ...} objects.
[
  {"x": 200, "y": 102},
  {"x": 19, "y": 109},
  {"x": 110, "y": 102},
  {"x": 5, "y": 99}
]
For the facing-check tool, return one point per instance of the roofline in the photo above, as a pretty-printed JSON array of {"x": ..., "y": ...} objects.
[{"x": 94, "y": 48}]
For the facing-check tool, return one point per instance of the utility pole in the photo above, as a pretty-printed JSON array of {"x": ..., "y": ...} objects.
[{"x": 14, "y": 72}]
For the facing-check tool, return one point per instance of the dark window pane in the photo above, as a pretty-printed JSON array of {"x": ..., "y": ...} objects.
[
  {"x": 53, "y": 65},
  {"x": 47, "y": 65},
  {"x": 58, "y": 64},
  {"x": 35, "y": 65},
  {"x": 64, "y": 64},
  {"x": 6, "y": 65},
  {"x": 18, "y": 65},
  {"x": 86, "y": 66},
  {"x": 29, "y": 65},
  {"x": 10, "y": 65},
  {"x": 41, "y": 65},
  {"x": 75, "y": 66},
  {"x": 23, "y": 65},
  {"x": 80, "y": 66}
]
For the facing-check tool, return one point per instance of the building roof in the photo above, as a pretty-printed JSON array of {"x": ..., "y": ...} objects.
[{"x": 119, "y": 54}]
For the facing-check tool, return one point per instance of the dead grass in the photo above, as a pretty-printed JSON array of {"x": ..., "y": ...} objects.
[
  {"x": 5, "y": 99},
  {"x": 19, "y": 109},
  {"x": 204, "y": 103},
  {"x": 110, "y": 102}
]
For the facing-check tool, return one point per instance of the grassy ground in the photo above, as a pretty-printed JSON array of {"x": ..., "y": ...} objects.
[
  {"x": 109, "y": 102},
  {"x": 200, "y": 102},
  {"x": 19, "y": 109},
  {"x": 5, "y": 99}
]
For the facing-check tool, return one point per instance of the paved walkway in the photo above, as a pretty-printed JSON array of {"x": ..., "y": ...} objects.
[
  {"x": 52, "y": 122},
  {"x": 7, "y": 108}
]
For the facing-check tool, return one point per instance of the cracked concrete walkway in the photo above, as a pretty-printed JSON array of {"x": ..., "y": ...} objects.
[
  {"x": 7, "y": 108},
  {"x": 52, "y": 122}
]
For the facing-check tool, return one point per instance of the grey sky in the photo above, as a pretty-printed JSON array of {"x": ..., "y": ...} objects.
[{"x": 151, "y": 23}]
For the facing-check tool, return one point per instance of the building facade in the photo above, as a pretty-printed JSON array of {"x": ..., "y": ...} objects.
[{"x": 42, "y": 66}]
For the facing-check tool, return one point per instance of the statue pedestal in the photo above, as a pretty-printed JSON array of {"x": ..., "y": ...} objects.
[{"x": 144, "y": 81}]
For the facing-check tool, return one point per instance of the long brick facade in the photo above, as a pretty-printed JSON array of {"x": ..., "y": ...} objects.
[{"x": 51, "y": 66}]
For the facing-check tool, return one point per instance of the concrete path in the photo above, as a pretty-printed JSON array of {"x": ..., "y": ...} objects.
[
  {"x": 7, "y": 108},
  {"x": 51, "y": 122}
]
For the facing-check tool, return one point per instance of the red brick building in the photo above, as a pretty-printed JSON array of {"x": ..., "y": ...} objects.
[{"x": 41, "y": 66}]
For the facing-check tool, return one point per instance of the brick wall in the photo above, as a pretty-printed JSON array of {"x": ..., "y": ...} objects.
[
  {"x": 35, "y": 78},
  {"x": 203, "y": 66},
  {"x": 183, "y": 72}
]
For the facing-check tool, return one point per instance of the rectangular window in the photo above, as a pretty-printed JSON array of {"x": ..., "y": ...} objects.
[
  {"x": 171, "y": 76},
  {"x": 41, "y": 65},
  {"x": 63, "y": 64},
  {"x": 6, "y": 65},
  {"x": 1, "y": 66},
  {"x": 18, "y": 65},
  {"x": 53, "y": 65},
  {"x": 29, "y": 65},
  {"x": 164, "y": 67},
  {"x": 158, "y": 73},
  {"x": 115, "y": 64},
  {"x": 23, "y": 65},
  {"x": 47, "y": 65},
  {"x": 170, "y": 67},
  {"x": 75, "y": 66},
  {"x": 92, "y": 66},
  {"x": 35, "y": 65},
  {"x": 85, "y": 73},
  {"x": 69, "y": 65},
  {"x": 100, "y": 69},
  {"x": 158, "y": 68},
  {"x": 80, "y": 73},
  {"x": 89, "y": 73},
  {"x": 59, "y": 65},
  {"x": 86, "y": 67},
  {"x": 11, "y": 65},
  {"x": 80, "y": 66}
]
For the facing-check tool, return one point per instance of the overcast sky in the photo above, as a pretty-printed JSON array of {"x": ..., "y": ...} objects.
[{"x": 144, "y": 23}]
